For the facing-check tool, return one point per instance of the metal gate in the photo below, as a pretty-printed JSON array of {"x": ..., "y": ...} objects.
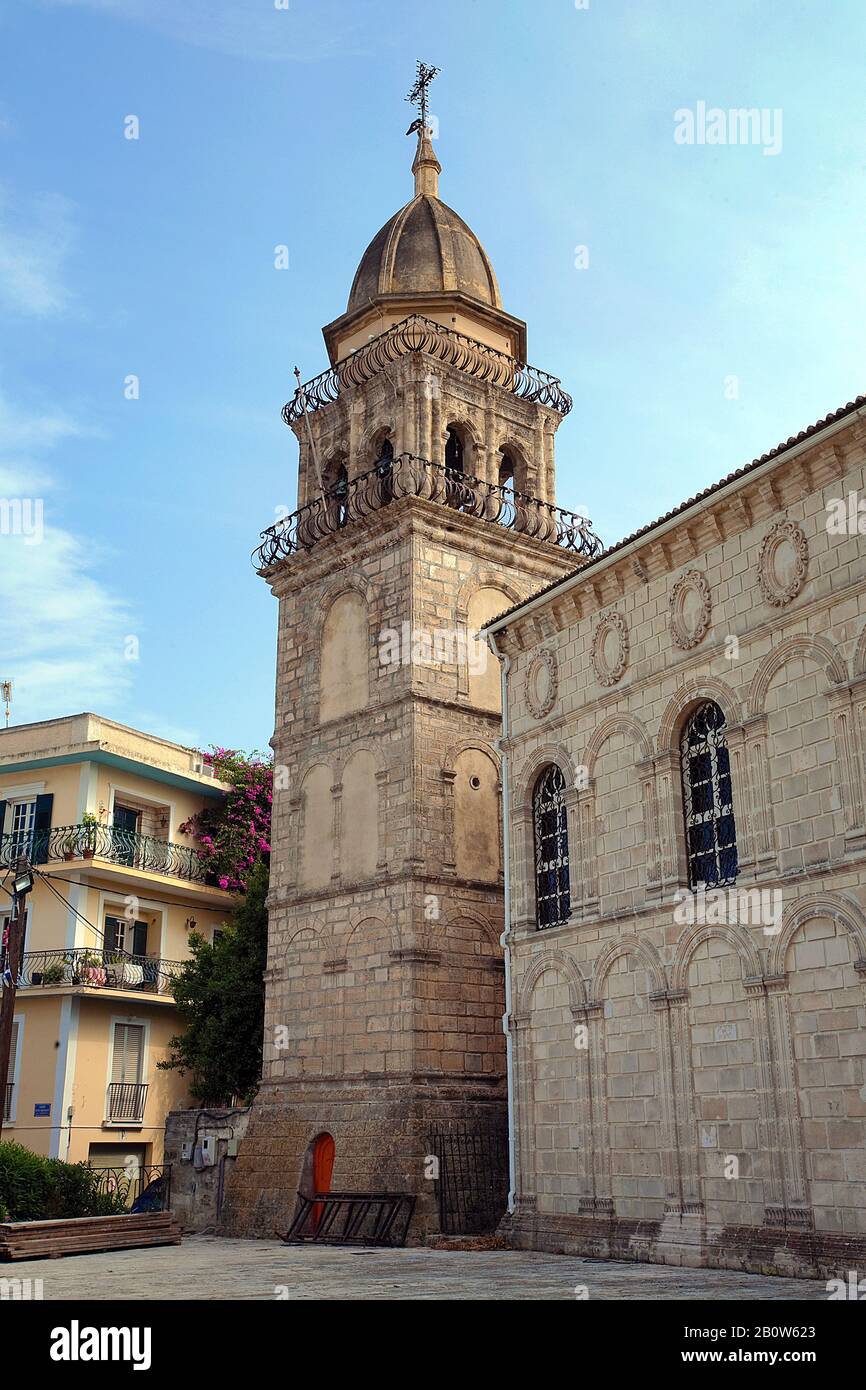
[{"x": 470, "y": 1175}]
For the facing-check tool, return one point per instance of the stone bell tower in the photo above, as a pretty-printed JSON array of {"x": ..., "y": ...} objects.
[{"x": 425, "y": 506}]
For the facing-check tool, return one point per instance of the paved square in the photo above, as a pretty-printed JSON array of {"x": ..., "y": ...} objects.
[{"x": 210, "y": 1267}]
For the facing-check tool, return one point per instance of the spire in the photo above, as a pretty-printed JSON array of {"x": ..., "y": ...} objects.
[{"x": 426, "y": 166}]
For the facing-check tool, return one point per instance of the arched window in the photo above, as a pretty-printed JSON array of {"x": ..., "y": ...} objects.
[
  {"x": 384, "y": 467},
  {"x": 336, "y": 483},
  {"x": 453, "y": 451},
  {"x": 708, "y": 800},
  {"x": 506, "y": 469},
  {"x": 552, "y": 901}
]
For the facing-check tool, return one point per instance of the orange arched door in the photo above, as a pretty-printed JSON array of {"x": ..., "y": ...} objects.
[{"x": 323, "y": 1167}]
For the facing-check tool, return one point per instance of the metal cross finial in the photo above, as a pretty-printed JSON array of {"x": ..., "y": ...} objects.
[{"x": 418, "y": 95}]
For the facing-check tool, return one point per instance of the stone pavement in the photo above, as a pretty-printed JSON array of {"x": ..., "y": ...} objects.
[{"x": 210, "y": 1267}]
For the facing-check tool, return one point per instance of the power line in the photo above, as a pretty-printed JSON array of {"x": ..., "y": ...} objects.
[{"x": 46, "y": 878}]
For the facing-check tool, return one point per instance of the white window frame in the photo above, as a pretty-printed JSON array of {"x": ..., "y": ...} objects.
[
  {"x": 17, "y": 804},
  {"x": 110, "y": 906},
  {"x": 117, "y": 792}
]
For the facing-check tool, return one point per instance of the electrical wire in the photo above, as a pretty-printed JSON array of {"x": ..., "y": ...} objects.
[{"x": 46, "y": 878}]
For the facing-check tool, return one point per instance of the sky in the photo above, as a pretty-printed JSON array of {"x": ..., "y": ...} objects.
[{"x": 701, "y": 300}]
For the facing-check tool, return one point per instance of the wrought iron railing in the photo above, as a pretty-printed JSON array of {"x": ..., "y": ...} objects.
[
  {"x": 410, "y": 476},
  {"x": 126, "y": 1101},
  {"x": 97, "y": 969},
  {"x": 107, "y": 842},
  {"x": 138, "y": 1186},
  {"x": 7, "y": 1100},
  {"x": 352, "y": 1218},
  {"x": 419, "y": 334}
]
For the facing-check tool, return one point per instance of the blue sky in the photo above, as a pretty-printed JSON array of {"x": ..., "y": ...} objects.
[{"x": 262, "y": 126}]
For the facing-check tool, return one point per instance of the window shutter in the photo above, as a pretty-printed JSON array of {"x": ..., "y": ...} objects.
[
  {"x": 111, "y": 925},
  {"x": 2, "y": 816},
  {"x": 128, "y": 1049},
  {"x": 139, "y": 939},
  {"x": 41, "y": 827},
  {"x": 13, "y": 1049}
]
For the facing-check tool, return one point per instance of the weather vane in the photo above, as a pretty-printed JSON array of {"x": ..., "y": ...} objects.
[{"x": 418, "y": 95}]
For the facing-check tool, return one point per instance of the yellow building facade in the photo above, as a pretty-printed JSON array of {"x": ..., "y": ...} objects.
[{"x": 96, "y": 807}]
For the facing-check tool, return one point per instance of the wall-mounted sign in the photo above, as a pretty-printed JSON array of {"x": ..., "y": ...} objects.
[{"x": 42, "y": 1110}]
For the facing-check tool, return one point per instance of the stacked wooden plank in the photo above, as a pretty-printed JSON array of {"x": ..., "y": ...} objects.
[{"x": 33, "y": 1240}]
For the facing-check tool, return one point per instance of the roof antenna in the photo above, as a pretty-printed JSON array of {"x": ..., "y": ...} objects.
[
  {"x": 424, "y": 75},
  {"x": 6, "y": 695}
]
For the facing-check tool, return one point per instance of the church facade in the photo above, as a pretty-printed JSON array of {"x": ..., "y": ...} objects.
[
  {"x": 685, "y": 763},
  {"x": 426, "y": 506}
]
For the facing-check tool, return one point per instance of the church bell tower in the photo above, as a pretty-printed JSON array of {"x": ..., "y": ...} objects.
[{"x": 426, "y": 506}]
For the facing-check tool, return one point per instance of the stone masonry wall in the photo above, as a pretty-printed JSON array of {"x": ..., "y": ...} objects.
[{"x": 691, "y": 1076}]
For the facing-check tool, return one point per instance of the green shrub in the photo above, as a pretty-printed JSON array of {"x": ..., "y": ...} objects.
[{"x": 33, "y": 1188}]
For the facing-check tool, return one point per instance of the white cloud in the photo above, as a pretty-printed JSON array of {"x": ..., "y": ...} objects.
[
  {"x": 62, "y": 629},
  {"x": 34, "y": 244},
  {"x": 306, "y": 31}
]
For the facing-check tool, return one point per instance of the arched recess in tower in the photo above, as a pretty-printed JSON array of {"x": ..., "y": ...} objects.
[
  {"x": 477, "y": 841},
  {"x": 344, "y": 668},
  {"x": 484, "y": 682},
  {"x": 359, "y": 839},
  {"x": 317, "y": 827}
]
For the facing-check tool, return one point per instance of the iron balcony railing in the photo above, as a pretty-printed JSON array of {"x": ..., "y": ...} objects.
[
  {"x": 126, "y": 1101},
  {"x": 352, "y": 1218},
  {"x": 102, "y": 969},
  {"x": 105, "y": 842},
  {"x": 138, "y": 1187},
  {"x": 8, "y": 1091},
  {"x": 419, "y": 334},
  {"x": 410, "y": 476}
]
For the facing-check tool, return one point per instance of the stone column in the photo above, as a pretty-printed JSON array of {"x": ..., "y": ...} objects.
[
  {"x": 337, "y": 812},
  {"x": 585, "y": 1018},
  {"x": 671, "y": 827},
  {"x": 585, "y": 842},
  {"x": 684, "y": 1101},
  {"x": 760, "y": 846},
  {"x": 842, "y": 713},
  {"x": 789, "y": 1127}
]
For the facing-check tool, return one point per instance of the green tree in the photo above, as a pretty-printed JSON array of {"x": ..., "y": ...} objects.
[{"x": 220, "y": 997}]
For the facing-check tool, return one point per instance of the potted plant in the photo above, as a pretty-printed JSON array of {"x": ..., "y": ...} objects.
[
  {"x": 91, "y": 970},
  {"x": 69, "y": 843},
  {"x": 53, "y": 973},
  {"x": 89, "y": 823}
]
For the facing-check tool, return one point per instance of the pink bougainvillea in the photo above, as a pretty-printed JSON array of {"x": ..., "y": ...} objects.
[{"x": 235, "y": 834}]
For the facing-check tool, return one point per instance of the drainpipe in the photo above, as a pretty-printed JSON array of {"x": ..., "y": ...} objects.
[{"x": 505, "y": 667}]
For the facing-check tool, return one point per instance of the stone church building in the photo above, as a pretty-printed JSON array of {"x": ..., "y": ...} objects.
[
  {"x": 685, "y": 734},
  {"x": 683, "y": 722}
]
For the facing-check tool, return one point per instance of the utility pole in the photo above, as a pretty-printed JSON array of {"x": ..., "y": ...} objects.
[{"x": 13, "y": 940}]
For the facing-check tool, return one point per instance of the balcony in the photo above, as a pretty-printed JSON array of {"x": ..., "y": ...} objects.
[
  {"x": 410, "y": 476},
  {"x": 91, "y": 969},
  {"x": 108, "y": 844},
  {"x": 8, "y": 1091},
  {"x": 125, "y": 1103},
  {"x": 419, "y": 334}
]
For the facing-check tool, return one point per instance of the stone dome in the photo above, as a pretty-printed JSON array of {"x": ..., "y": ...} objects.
[{"x": 425, "y": 248}]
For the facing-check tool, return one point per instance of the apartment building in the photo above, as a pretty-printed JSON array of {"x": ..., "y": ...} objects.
[{"x": 96, "y": 807}]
